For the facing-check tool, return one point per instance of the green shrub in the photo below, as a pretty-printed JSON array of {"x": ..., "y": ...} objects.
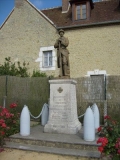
[
  {"x": 16, "y": 69},
  {"x": 10, "y": 68},
  {"x": 38, "y": 74}
]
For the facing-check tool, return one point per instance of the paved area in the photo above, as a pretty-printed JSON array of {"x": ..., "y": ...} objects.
[
  {"x": 37, "y": 133},
  {"x": 61, "y": 144}
]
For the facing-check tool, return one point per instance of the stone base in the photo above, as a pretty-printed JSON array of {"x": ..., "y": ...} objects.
[
  {"x": 63, "y": 107},
  {"x": 63, "y": 77},
  {"x": 61, "y": 128}
]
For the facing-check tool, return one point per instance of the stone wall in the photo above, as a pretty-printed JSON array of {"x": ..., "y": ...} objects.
[
  {"x": 100, "y": 91},
  {"x": 93, "y": 48},
  {"x": 24, "y": 33}
]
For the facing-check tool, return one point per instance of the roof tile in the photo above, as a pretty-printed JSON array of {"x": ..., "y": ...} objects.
[{"x": 103, "y": 12}]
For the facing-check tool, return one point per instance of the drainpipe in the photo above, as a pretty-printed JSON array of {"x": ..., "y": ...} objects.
[
  {"x": 105, "y": 98},
  {"x": 5, "y": 97}
]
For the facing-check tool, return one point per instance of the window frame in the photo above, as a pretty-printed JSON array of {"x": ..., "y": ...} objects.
[
  {"x": 80, "y": 5},
  {"x": 41, "y": 58},
  {"x": 47, "y": 57},
  {"x": 88, "y": 10}
]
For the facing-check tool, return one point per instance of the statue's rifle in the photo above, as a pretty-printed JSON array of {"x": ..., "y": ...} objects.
[{"x": 60, "y": 60}]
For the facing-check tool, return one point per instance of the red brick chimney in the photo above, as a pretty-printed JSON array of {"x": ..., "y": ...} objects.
[
  {"x": 65, "y": 6},
  {"x": 19, "y": 3}
]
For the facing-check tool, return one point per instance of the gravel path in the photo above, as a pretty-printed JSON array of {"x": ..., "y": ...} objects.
[{"x": 13, "y": 154}]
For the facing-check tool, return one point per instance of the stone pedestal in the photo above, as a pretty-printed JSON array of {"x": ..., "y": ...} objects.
[{"x": 63, "y": 116}]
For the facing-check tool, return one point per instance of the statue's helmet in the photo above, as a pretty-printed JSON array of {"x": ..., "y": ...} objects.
[{"x": 61, "y": 30}]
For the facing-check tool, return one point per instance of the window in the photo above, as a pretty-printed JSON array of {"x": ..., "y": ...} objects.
[
  {"x": 47, "y": 58},
  {"x": 97, "y": 0},
  {"x": 81, "y": 11}
]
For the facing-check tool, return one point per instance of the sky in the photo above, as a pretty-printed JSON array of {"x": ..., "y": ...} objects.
[{"x": 6, "y": 6}]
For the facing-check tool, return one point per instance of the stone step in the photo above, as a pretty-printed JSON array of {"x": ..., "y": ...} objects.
[
  {"x": 65, "y": 144},
  {"x": 88, "y": 155},
  {"x": 57, "y": 144}
]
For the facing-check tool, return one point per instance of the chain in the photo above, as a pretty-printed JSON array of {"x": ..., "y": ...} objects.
[
  {"x": 83, "y": 114},
  {"x": 40, "y": 112}
]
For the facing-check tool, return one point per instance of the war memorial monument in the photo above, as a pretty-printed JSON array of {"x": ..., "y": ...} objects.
[{"x": 63, "y": 116}]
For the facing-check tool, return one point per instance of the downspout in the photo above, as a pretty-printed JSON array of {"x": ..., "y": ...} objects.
[{"x": 5, "y": 97}]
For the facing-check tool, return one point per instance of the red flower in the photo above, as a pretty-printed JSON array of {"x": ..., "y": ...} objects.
[
  {"x": 116, "y": 145},
  {"x": 3, "y": 125},
  {"x": 2, "y": 114},
  {"x": 2, "y": 121},
  {"x": 8, "y": 115},
  {"x": 109, "y": 129},
  {"x": 118, "y": 151},
  {"x": 13, "y": 105},
  {"x": 11, "y": 114},
  {"x": 106, "y": 117},
  {"x": 99, "y": 129},
  {"x": 100, "y": 149},
  {"x": 5, "y": 110},
  {"x": 103, "y": 141},
  {"x": 2, "y": 133}
]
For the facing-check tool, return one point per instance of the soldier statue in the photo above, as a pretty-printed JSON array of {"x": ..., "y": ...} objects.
[{"x": 62, "y": 54}]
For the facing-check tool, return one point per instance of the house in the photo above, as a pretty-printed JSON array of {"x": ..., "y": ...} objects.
[{"x": 92, "y": 29}]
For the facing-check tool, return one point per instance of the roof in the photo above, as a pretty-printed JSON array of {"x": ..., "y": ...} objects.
[
  {"x": 103, "y": 12},
  {"x": 74, "y": 1}
]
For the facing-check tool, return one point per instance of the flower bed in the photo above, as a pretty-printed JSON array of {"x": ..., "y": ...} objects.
[
  {"x": 9, "y": 122},
  {"x": 109, "y": 138}
]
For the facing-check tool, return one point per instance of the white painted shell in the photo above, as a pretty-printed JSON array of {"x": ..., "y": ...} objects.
[
  {"x": 25, "y": 122},
  {"x": 89, "y": 128},
  {"x": 44, "y": 116},
  {"x": 96, "y": 115}
]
